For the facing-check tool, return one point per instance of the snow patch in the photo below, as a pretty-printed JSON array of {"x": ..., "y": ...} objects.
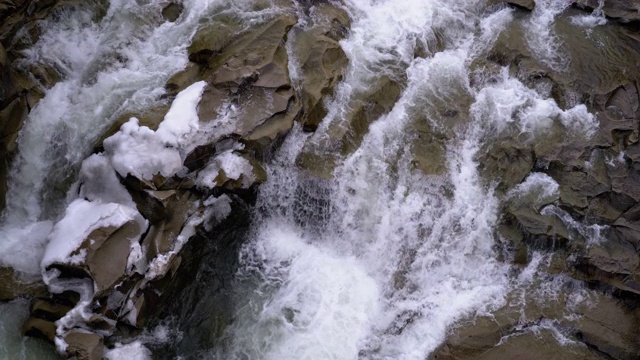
[
  {"x": 233, "y": 165},
  {"x": 142, "y": 152}
]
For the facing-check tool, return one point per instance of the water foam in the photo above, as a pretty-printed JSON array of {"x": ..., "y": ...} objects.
[{"x": 418, "y": 249}]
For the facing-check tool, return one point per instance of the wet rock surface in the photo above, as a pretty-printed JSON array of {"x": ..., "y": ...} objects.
[
  {"x": 191, "y": 223},
  {"x": 128, "y": 272},
  {"x": 589, "y": 225}
]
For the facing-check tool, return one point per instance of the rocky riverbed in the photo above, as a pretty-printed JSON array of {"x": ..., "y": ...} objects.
[{"x": 482, "y": 168}]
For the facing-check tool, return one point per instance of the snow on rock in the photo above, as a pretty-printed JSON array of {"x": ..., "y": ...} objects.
[
  {"x": 142, "y": 152},
  {"x": 100, "y": 183},
  {"x": 137, "y": 150},
  {"x": 182, "y": 122},
  {"x": 233, "y": 167},
  {"x": 80, "y": 219}
]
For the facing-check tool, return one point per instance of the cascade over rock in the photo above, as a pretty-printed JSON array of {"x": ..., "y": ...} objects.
[
  {"x": 470, "y": 189},
  {"x": 247, "y": 101}
]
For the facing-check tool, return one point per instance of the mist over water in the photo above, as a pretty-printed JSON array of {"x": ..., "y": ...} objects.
[{"x": 376, "y": 261}]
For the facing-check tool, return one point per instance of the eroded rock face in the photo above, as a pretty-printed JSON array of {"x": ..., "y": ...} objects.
[
  {"x": 84, "y": 346},
  {"x": 627, "y": 10},
  {"x": 582, "y": 212},
  {"x": 21, "y": 88}
]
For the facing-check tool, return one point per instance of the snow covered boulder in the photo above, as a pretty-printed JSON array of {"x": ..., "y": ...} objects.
[
  {"x": 231, "y": 170},
  {"x": 98, "y": 239}
]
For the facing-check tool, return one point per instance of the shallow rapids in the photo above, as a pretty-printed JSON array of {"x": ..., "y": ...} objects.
[{"x": 378, "y": 261}]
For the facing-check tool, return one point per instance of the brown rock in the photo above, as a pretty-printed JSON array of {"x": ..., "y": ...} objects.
[
  {"x": 84, "y": 346},
  {"x": 172, "y": 11},
  {"x": 260, "y": 104},
  {"x": 107, "y": 252},
  {"x": 627, "y": 10},
  {"x": 152, "y": 203},
  {"x": 537, "y": 224},
  {"x": 527, "y": 4},
  {"x": 322, "y": 61},
  {"x": 48, "y": 310},
  {"x": 161, "y": 237},
  {"x": 108, "y": 261},
  {"x": 611, "y": 328},
  {"x": 39, "y": 328},
  {"x": 274, "y": 126},
  {"x": 11, "y": 119},
  {"x": 532, "y": 346}
]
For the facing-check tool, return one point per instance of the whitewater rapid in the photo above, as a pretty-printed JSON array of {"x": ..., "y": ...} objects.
[{"x": 379, "y": 261}]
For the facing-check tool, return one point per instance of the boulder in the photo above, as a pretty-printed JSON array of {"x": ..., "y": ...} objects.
[
  {"x": 152, "y": 204},
  {"x": 611, "y": 328},
  {"x": 510, "y": 160},
  {"x": 250, "y": 93},
  {"x": 39, "y": 328},
  {"x": 614, "y": 263},
  {"x": 527, "y": 4},
  {"x": 47, "y": 309},
  {"x": 108, "y": 252},
  {"x": 625, "y": 10},
  {"x": 162, "y": 235},
  {"x": 172, "y": 11},
  {"x": 528, "y": 345},
  {"x": 84, "y": 345},
  {"x": 321, "y": 59}
]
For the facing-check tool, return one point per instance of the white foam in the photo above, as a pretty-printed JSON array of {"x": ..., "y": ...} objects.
[
  {"x": 132, "y": 351},
  {"x": 510, "y": 103},
  {"x": 596, "y": 18},
  {"x": 321, "y": 309},
  {"x": 541, "y": 36},
  {"x": 593, "y": 234},
  {"x": 542, "y": 186}
]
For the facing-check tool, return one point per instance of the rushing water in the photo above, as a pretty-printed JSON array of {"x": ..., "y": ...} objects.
[
  {"x": 380, "y": 260},
  {"x": 376, "y": 262}
]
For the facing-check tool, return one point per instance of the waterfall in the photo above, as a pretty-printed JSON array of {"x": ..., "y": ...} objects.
[
  {"x": 380, "y": 260},
  {"x": 377, "y": 260}
]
